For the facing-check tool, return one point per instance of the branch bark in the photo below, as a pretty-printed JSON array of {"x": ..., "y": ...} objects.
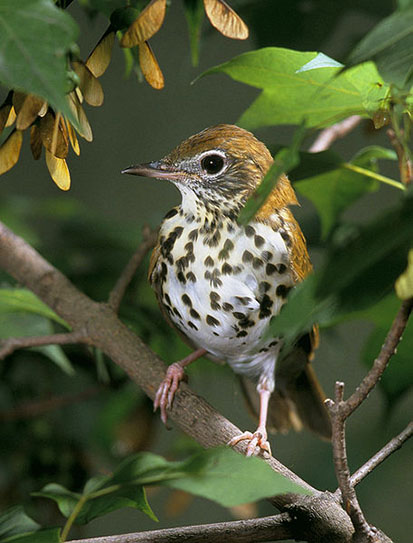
[{"x": 274, "y": 528}]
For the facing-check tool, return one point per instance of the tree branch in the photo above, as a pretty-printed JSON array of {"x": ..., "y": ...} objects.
[
  {"x": 10, "y": 345},
  {"x": 148, "y": 241},
  {"x": 274, "y": 528},
  {"x": 329, "y": 135}
]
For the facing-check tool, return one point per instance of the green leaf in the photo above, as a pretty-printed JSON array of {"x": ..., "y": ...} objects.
[
  {"x": 284, "y": 161},
  {"x": 304, "y": 309},
  {"x": 194, "y": 13},
  {"x": 335, "y": 189},
  {"x": 50, "y": 535},
  {"x": 390, "y": 46},
  {"x": 319, "y": 97},
  {"x": 21, "y": 299},
  {"x": 65, "y": 499},
  {"x": 14, "y": 521},
  {"x": 35, "y": 39},
  {"x": 228, "y": 478},
  {"x": 364, "y": 268},
  {"x": 404, "y": 284}
]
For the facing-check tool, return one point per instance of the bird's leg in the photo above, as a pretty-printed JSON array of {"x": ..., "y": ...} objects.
[
  {"x": 168, "y": 387},
  {"x": 259, "y": 437}
]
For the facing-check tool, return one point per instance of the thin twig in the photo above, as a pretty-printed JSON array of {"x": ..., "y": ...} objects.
[
  {"x": 342, "y": 470},
  {"x": 392, "y": 446},
  {"x": 405, "y": 164},
  {"x": 329, "y": 135},
  {"x": 388, "y": 349},
  {"x": 118, "y": 291},
  {"x": 39, "y": 407},
  {"x": 10, "y": 345},
  {"x": 274, "y": 528}
]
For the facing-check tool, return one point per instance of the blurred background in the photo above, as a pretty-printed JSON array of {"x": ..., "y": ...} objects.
[{"x": 91, "y": 231}]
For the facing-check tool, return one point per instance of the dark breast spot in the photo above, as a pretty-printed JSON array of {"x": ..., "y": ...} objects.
[
  {"x": 171, "y": 213},
  {"x": 212, "y": 321},
  {"x": 270, "y": 269},
  {"x": 247, "y": 257},
  {"x": 249, "y": 230},
  {"x": 209, "y": 261},
  {"x": 194, "y": 314},
  {"x": 226, "y": 268},
  {"x": 187, "y": 300},
  {"x": 265, "y": 305},
  {"x": 191, "y": 277},
  {"x": 282, "y": 291},
  {"x": 259, "y": 241},
  {"x": 193, "y": 234}
]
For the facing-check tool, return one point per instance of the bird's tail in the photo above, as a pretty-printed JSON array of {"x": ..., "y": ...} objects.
[{"x": 298, "y": 399}]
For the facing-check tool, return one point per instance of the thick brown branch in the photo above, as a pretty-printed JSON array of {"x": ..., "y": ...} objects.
[
  {"x": 329, "y": 135},
  {"x": 389, "y": 348},
  {"x": 148, "y": 241},
  {"x": 275, "y": 528},
  {"x": 9, "y": 345},
  {"x": 100, "y": 324},
  {"x": 392, "y": 446}
]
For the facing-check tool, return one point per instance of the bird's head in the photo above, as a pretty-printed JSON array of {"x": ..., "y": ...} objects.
[{"x": 220, "y": 166}]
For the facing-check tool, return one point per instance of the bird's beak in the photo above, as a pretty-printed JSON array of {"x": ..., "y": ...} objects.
[{"x": 157, "y": 169}]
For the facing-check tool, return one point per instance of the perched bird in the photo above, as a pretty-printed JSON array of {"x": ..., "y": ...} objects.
[{"x": 219, "y": 283}]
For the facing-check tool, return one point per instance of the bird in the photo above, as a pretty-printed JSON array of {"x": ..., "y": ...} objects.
[{"x": 219, "y": 283}]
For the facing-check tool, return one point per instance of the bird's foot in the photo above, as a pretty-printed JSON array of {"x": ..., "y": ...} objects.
[
  {"x": 167, "y": 389},
  {"x": 258, "y": 439}
]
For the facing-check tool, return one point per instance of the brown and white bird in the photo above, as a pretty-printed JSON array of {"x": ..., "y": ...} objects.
[{"x": 219, "y": 283}]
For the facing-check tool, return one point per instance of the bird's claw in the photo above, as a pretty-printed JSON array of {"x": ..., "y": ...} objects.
[
  {"x": 167, "y": 389},
  {"x": 256, "y": 439}
]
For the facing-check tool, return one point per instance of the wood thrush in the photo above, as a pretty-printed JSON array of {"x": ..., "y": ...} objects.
[{"x": 219, "y": 283}]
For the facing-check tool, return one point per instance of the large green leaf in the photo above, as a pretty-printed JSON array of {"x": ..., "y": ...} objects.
[
  {"x": 228, "y": 478},
  {"x": 35, "y": 37},
  {"x": 21, "y": 299},
  {"x": 390, "y": 46},
  {"x": 221, "y": 475},
  {"x": 337, "y": 188},
  {"x": 15, "y": 521},
  {"x": 303, "y": 87},
  {"x": 49, "y": 535},
  {"x": 363, "y": 269}
]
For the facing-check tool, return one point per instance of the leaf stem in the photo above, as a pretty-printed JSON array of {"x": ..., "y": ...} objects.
[
  {"x": 374, "y": 175},
  {"x": 72, "y": 517}
]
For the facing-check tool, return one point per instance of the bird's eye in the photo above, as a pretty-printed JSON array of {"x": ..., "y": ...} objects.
[{"x": 212, "y": 164}]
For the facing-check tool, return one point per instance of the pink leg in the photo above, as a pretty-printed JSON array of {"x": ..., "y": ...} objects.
[
  {"x": 168, "y": 387},
  {"x": 259, "y": 437}
]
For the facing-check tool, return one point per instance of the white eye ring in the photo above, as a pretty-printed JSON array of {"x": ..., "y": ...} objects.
[{"x": 212, "y": 162}]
